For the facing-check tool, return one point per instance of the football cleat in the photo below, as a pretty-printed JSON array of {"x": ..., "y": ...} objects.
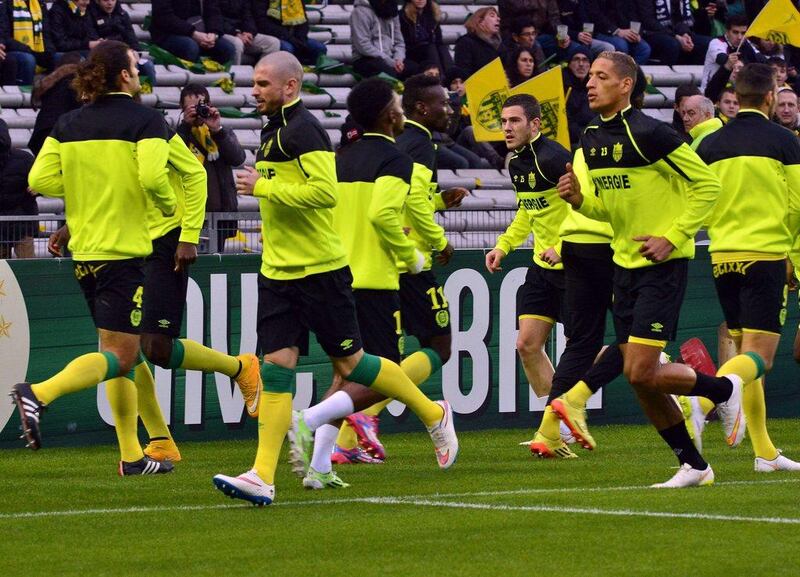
[
  {"x": 353, "y": 456},
  {"x": 366, "y": 427},
  {"x": 694, "y": 418},
  {"x": 30, "y": 410},
  {"x": 247, "y": 486},
  {"x": 316, "y": 480},
  {"x": 779, "y": 463},
  {"x": 546, "y": 448},
  {"x": 163, "y": 450},
  {"x": 575, "y": 419},
  {"x": 144, "y": 466},
  {"x": 443, "y": 435},
  {"x": 249, "y": 382},
  {"x": 301, "y": 441},
  {"x": 731, "y": 413},
  {"x": 688, "y": 477}
]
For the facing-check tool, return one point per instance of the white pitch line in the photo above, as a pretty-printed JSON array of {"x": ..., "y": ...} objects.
[{"x": 428, "y": 499}]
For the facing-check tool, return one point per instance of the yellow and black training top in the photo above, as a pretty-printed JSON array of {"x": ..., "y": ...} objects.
[
  {"x": 425, "y": 198},
  {"x": 644, "y": 180},
  {"x": 374, "y": 182},
  {"x": 107, "y": 160},
  {"x": 190, "y": 182},
  {"x": 757, "y": 215},
  {"x": 297, "y": 191},
  {"x": 535, "y": 169}
]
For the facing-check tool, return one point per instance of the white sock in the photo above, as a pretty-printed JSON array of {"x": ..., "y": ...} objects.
[
  {"x": 337, "y": 406},
  {"x": 324, "y": 440}
]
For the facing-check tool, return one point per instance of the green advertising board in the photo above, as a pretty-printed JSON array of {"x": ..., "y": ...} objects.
[{"x": 44, "y": 323}]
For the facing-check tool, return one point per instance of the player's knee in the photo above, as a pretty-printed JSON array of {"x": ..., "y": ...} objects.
[
  {"x": 127, "y": 360},
  {"x": 641, "y": 377},
  {"x": 526, "y": 347},
  {"x": 157, "y": 349}
]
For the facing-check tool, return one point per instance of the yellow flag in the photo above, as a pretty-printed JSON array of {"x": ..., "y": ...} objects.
[
  {"x": 779, "y": 22},
  {"x": 487, "y": 90},
  {"x": 548, "y": 88}
]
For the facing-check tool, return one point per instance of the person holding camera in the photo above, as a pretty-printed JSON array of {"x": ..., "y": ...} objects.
[{"x": 217, "y": 148}]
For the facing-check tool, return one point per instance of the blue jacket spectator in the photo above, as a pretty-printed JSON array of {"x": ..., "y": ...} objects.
[{"x": 190, "y": 29}]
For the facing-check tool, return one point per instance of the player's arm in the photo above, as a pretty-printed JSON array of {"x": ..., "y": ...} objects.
[
  {"x": 516, "y": 233},
  {"x": 419, "y": 210},
  {"x": 702, "y": 189},
  {"x": 45, "y": 176},
  {"x": 791, "y": 166},
  {"x": 195, "y": 188},
  {"x": 152, "y": 155},
  {"x": 577, "y": 188}
]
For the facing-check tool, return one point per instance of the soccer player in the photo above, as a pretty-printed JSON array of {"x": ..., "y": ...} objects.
[
  {"x": 106, "y": 208},
  {"x": 305, "y": 285},
  {"x": 424, "y": 308},
  {"x": 655, "y": 192},
  {"x": 750, "y": 237},
  {"x": 535, "y": 167}
]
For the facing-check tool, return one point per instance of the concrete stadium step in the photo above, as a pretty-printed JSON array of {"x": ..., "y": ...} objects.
[
  {"x": 19, "y": 117},
  {"x": 662, "y": 114},
  {"x": 667, "y": 75},
  {"x": 486, "y": 178},
  {"x": 449, "y": 179}
]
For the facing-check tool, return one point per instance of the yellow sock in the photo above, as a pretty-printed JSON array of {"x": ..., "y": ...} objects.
[
  {"x": 394, "y": 383},
  {"x": 748, "y": 366},
  {"x": 149, "y": 409},
  {"x": 122, "y": 398},
  {"x": 706, "y": 404},
  {"x": 376, "y": 409},
  {"x": 274, "y": 420},
  {"x": 347, "y": 438},
  {"x": 418, "y": 367},
  {"x": 197, "y": 357},
  {"x": 81, "y": 373},
  {"x": 755, "y": 411},
  {"x": 579, "y": 395},
  {"x": 549, "y": 427}
]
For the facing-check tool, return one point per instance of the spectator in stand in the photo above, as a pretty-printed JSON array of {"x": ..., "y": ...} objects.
[
  {"x": 696, "y": 110},
  {"x": 612, "y": 24},
  {"x": 575, "y": 76},
  {"x": 728, "y": 105},
  {"x": 681, "y": 92},
  {"x": 54, "y": 95},
  {"x": 786, "y": 110},
  {"x": 112, "y": 23},
  {"x": 541, "y": 14},
  {"x": 71, "y": 28},
  {"x": 377, "y": 40},
  {"x": 219, "y": 151},
  {"x": 667, "y": 27},
  {"x": 523, "y": 35},
  {"x": 520, "y": 66},
  {"x": 572, "y": 13},
  {"x": 286, "y": 20},
  {"x": 768, "y": 48},
  {"x": 239, "y": 28},
  {"x": 732, "y": 42},
  {"x": 23, "y": 34},
  {"x": 778, "y": 66},
  {"x": 482, "y": 43},
  {"x": 710, "y": 17},
  {"x": 15, "y": 199},
  {"x": 8, "y": 68},
  {"x": 723, "y": 77},
  {"x": 422, "y": 33},
  {"x": 190, "y": 29}
]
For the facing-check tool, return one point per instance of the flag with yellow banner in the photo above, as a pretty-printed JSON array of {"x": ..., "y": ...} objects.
[
  {"x": 487, "y": 91},
  {"x": 779, "y": 22}
]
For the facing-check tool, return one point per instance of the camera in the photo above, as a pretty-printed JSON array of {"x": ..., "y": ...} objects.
[{"x": 202, "y": 110}]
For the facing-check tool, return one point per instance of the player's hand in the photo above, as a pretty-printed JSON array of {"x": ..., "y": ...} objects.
[
  {"x": 445, "y": 254},
  {"x": 493, "y": 259},
  {"x": 246, "y": 180},
  {"x": 418, "y": 264},
  {"x": 452, "y": 197},
  {"x": 185, "y": 254},
  {"x": 569, "y": 188},
  {"x": 551, "y": 256},
  {"x": 654, "y": 248},
  {"x": 791, "y": 280},
  {"x": 58, "y": 240}
]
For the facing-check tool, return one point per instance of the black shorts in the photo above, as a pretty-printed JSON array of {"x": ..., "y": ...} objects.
[
  {"x": 113, "y": 291},
  {"x": 647, "y": 302},
  {"x": 426, "y": 312},
  {"x": 753, "y": 294},
  {"x": 378, "y": 313},
  {"x": 542, "y": 295},
  {"x": 321, "y": 303},
  {"x": 164, "y": 289}
]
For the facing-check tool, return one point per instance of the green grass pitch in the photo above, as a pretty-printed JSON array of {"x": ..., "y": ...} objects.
[{"x": 498, "y": 512}]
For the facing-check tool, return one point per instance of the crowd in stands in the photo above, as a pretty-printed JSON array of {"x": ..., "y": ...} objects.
[{"x": 395, "y": 39}]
